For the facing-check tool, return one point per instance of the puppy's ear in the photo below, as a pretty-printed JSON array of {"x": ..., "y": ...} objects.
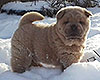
[
  {"x": 87, "y": 13},
  {"x": 60, "y": 14}
]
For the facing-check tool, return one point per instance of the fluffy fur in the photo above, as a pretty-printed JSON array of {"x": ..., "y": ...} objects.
[{"x": 58, "y": 45}]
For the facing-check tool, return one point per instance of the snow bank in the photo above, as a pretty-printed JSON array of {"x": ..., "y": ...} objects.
[
  {"x": 8, "y": 25},
  {"x": 3, "y": 67},
  {"x": 5, "y": 53},
  {"x": 92, "y": 43},
  {"x": 24, "y": 6},
  {"x": 81, "y": 71},
  {"x": 78, "y": 71}
]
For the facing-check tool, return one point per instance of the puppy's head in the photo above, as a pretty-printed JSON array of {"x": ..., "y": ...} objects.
[{"x": 73, "y": 23}]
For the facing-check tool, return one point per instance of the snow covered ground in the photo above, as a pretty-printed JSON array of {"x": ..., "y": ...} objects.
[
  {"x": 79, "y": 71},
  {"x": 25, "y": 5}
]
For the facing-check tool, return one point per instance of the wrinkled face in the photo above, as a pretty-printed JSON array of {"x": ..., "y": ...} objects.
[{"x": 73, "y": 23}]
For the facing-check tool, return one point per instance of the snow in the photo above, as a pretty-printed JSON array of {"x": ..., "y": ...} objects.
[
  {"x": 25, "y": 6},
  {"x": 3, "y": 67},
  {"x": 78, "y": 71},
  {"x": 9, "y": 25},
  {"x": 81, "y": 71},
  {"x": 5, "y": 51}
]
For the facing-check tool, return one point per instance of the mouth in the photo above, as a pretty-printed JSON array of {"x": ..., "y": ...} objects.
[{"x": 74, "y": 37}]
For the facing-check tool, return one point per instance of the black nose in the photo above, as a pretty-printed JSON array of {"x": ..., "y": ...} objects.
[
  {"x": 74, "y": 30},
  {"x": 73, "y": 27}
]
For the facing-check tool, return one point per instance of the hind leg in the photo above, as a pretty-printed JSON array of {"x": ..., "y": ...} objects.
[{"x": 20, "y": 59}]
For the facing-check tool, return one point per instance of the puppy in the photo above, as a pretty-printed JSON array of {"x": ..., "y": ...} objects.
[{"x": 54, "y": 46}]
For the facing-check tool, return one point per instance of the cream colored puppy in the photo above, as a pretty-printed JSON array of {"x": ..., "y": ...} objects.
[{"x": 58, "y": 45}]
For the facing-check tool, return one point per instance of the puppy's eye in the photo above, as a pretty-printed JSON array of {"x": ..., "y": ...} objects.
[
  {"x": 66, "y": 22},
  {"x": 81, "y": 22}
]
